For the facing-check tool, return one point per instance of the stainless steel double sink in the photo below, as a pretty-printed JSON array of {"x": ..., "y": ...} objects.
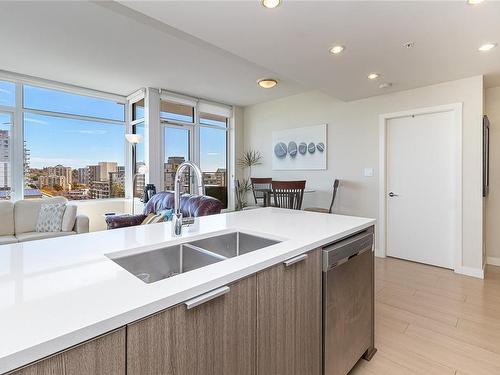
[{"x": 166, "y": 262}]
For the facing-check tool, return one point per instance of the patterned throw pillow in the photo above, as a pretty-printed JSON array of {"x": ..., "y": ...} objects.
[{"x": 50, "y": 217}]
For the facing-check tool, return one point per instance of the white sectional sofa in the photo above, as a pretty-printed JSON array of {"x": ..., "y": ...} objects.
[{"x": 18, "y": 220}]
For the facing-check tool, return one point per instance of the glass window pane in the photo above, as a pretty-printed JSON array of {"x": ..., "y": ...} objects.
[
  {"x": 74, "y": 158},
  {"x": 208, "y": 119},
  {"x": 177, "y": 112},
  {"x": 213, "y": 162},
  {"x": 139, "y": 161},
  {"x": 138, "y": 110},
  {"x": 176, "y": 151},
  {"x": 5, "y": 167},
  {"x": 7, "y": 93},
  {"x": 64, "y": 102}
]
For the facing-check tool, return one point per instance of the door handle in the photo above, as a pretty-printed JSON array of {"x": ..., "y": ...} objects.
[
  {"x": 391, "y": 194},
  {"x": 295, "y": 260},
  {"x": 197, "y": 301}
]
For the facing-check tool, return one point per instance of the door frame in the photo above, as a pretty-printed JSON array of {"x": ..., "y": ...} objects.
[{"x": 456, "y": 108}]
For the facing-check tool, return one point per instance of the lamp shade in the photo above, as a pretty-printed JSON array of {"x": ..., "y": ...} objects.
[{"x": 133, "y": 138}]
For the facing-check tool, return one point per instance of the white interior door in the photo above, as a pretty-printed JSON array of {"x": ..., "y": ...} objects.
[{"x": 422, "y": 191}]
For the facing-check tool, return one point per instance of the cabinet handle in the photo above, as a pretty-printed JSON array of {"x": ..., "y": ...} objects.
[
  {"x": 292, "y": 261},
  {"x": 197, "y": 301}
]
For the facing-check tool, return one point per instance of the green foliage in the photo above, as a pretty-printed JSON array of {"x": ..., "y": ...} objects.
[{"x": 249, "y": 159}]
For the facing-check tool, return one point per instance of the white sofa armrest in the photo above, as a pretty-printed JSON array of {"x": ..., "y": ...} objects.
[{"x": 81, "y": 224}]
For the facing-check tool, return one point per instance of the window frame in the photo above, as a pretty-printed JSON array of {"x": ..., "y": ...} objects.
[
  {"x": 195, "y": 138},
  {"x": 191, "y": 151},
  {"x": 17, "y": 134}
]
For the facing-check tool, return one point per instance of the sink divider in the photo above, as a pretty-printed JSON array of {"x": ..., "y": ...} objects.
[{"x": 202, "y": 250}]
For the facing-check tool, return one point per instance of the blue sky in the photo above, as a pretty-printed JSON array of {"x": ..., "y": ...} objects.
[{"x": 77, "y": 143}]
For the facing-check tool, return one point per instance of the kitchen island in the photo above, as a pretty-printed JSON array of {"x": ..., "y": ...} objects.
[{"x": 58, "y": 293}]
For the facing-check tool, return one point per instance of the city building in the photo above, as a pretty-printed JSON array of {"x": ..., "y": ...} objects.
[
  {"x": 60, "y": 170},
  {"x": 106, "y": 167},
  {"x": 117, "y": 183},
  {"x": 82, "y": 176},
  {"x": 100, "y": 190},
  {"x": 54, "y": 182},
  {"x": 169, "y": 170},
  {"x": 4, "y": 160},
  {"x": 220, "y": 177}
]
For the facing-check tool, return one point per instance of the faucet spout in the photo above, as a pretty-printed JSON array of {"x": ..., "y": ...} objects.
[{"x": 200, "y": 190}]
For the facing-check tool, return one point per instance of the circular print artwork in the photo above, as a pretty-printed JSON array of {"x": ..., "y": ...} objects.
[
  {"x": 311, "y": 148},
  {"x": 320, "y": 147},
  {"x": 292, "y": 149},
  {"x": 280, "y": 150},
  {"x": 302, "y": 148}
]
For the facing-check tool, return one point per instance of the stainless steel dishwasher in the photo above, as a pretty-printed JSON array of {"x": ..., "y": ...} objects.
[{"x": 348, "y": 302}]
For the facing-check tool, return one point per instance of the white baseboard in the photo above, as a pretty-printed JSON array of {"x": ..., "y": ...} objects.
[
  {"x": 470, "y": 271},
  {"x": 494, "y": 261},
  {"x": 379, "y": 253}
]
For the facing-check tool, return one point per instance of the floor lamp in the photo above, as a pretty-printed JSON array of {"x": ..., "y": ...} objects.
[{"x": 134, "y": 140}]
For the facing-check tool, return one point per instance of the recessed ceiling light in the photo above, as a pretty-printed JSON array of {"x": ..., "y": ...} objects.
[
  {"x": 335, "y": 50},
  {"x": 385, "y": 85},
  {"x": 373, "y": 76},
  {"x": 487, "y": 47},
  {"x": 271, "y": 4},
  {"x": 474, "y": 2},
  {"x": 267, "y": 83}
]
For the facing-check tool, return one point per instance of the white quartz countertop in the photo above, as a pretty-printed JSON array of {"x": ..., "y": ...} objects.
[{"x": 59, "y": 292}]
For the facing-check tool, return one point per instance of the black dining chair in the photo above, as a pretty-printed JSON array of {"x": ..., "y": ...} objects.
[
  {"x": 336, "y": 185},
  {"x": 288, "y": 194},
  {"x": 261, "y": 188}
]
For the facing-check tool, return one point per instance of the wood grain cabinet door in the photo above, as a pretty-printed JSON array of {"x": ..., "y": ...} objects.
[
  {"x": 289, "y": 318},
  {"x": 104, "y": 355},
  {"x": 214, "y": 338}
]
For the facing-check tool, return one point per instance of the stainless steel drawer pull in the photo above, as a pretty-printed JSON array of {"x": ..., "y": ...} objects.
[
  {"x": 197, "y": 301},
  {"x": 295, "y": 260}
]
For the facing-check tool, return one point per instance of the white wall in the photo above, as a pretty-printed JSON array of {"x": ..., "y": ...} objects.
[
  {"x": 492, "y": 109},
  {"x": 353, "y": 145}
]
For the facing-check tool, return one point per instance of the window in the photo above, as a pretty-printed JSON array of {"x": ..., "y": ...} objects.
[
  {"x": 5, "y": 166},
  {"x": 7, "y": 94},
  {"x": 67, "y": 152},
  {"x": 74, "y": 158},
  {"x": 213, "y": 162},
  {"x": 49, "y": 100},
  {"x": 139, "y": 159},
  {"x": 138, "y": 110},
  {"x": 208, "y": 119},
  {"x": 177, "y": 150},
  {"x": 176, "y": 112}
]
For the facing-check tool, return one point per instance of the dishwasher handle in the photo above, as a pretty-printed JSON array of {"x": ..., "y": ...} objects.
[{"x": 340, "y": 252}]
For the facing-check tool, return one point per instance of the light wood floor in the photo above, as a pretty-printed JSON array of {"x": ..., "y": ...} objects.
[{"x": 432, "y": 321}]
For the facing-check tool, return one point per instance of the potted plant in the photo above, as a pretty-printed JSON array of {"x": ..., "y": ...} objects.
[{"x": 248, "y": 160}]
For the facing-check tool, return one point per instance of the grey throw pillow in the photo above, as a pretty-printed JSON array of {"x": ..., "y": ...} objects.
[{"x": 50, "y": 217}]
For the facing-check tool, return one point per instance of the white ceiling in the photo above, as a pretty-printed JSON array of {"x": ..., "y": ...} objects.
[
  {"x": 293, "y": 39},
  {"x": 111, "y": 48},
  {"x": 218, "y": 49}
]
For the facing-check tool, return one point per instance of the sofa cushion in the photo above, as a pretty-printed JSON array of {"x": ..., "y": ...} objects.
[
  {"x": 6, "y": 218},
  {"x": 4, "y": 240},
  {"x": 69, "y": 218},
  {"x": 31, "y": 236},
  {"x": 50, "y": 217},
  {"x": 26, "y": 212}
]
